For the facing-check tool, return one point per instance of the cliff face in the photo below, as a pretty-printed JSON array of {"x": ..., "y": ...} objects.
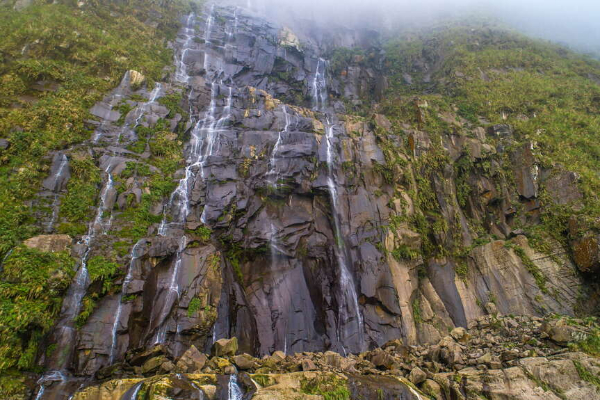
[{"x": 290, "y": 222}]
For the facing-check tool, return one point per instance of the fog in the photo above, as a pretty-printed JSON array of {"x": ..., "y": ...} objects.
[{"x": 575, "y": 23}]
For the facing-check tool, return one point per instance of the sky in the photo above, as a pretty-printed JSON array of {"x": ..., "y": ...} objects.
[{"x": 572, "y": 22}]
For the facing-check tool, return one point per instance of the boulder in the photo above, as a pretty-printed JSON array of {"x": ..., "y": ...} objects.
[
  {"x": 308, "y": 365},
  {"x": 136, "y": 79},
  {"x": 192, "y": 360},
  {"x": 417, "y": 375},
  {"x": 138, "y": 359},
  {"x": 244, "y": 361},
  {"x": 433, "y": 389},
  {"x": 459, "y": 334},
  {"x": 49, "y": 243},
  {"x": 153, "y": 364},
  {"x": 382, "y": 359},
  {"x": 586, "y": 253},
  {"x": 560, "y": 332},
  {"x": 225, "y": 347}
]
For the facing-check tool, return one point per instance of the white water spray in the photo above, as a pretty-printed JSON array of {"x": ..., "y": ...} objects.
[{"x": 319, "y": 88}]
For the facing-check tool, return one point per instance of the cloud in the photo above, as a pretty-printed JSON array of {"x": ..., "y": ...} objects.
[{"x": 574, "y": 22}]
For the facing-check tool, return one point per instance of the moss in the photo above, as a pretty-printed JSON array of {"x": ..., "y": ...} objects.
[
  {"x": 330, "y": 387},
  {"x": 405, "y": 253},
  {"x": 262, "y": 380},
  {"x": 84, "y": 51},
  {"x": 194, "y": 306},
  {"x": 587, "y": 375},
  {"x": 82, "y": 190},
  {"x": 12, "y": 385},
  {"x": 102, "y": 274},
  {"x": 461, "y": 269},
  {"x": 530, "y": 266},
  {"x": 591, "y": 344},
  {"x": 416, "y": 309},
  {"x": 32, "y": 284}
]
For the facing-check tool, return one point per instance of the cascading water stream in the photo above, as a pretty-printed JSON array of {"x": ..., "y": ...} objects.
[
  {"x": 172, "y": 294},
  {"x": 234, "y": 392},
  {"x": 319, "y": 87},
  {"x": 65, "y": 330},
  {"x": 204, "y": 135},
  {"x": 135, "y": 255},
  {"x": 114, "y": 100},
  {"x": 189, "y": 33},
  {"x": 132, "y": 393},
  {"x": 58, "y": 177}
]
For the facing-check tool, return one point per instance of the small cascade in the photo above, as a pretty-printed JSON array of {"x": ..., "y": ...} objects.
[
  {"x": 48, "y": 378},
  {"x": 319, "y": 88},
  {"x": 135, "y": 255},
  {"x": 132, "y": 393},
  {"x": 172, "y": 294},
  {"x": 65, "y": 332},
  {"x": 57, "y": 181},
  {"x": 189, "y": 33},
  {"x": 102, "y": 223},
  {"x": 204, "y": 135},
  {"x": 112, "y": 102},
  {"x": 142, "y": 110},
  {"x": 273, "y": 172},
  {"x": 234, "y": 391}
]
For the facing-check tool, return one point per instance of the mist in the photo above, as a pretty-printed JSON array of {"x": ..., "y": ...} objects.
[{"x": 574, "y": 23}]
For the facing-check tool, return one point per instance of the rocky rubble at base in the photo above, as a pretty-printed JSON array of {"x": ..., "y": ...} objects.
[{"x": 497, "y": 357}]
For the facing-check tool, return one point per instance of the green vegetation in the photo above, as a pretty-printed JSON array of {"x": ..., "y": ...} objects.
[
  {"x": 586, "y": 374},
  {"x": 533, "y": 269},
  {"x": 404, "y": 252},
  {"x": 491, "y": 76},
  {"x": 194, "y": 306},
  {"x": 590, "y": 345},
  {"x": 166, "y": 158},
  {"x": 77, "y": 206},
  {"x": 78, "y": 54},
  {"x": 262, "y": 380},
  {"x": 31, "y": 290},
  {"x": 416, "y": 309},
  {"x": 102, "y": 275},
  {"x": 330, "y": 386}
]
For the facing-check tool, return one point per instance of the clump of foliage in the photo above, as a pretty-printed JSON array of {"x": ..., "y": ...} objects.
[
  {"x": 591, "y": 344},
  {"x": 330, "y": 387},
  {"x": 82, "y": 191},
  {"x": 102, "y": 273},
  {"x": 32, "y": 285},
  {"x": 586, "y": 375}
]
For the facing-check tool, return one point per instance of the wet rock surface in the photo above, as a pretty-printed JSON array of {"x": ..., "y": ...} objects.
[{"x": 286, "y": 230}]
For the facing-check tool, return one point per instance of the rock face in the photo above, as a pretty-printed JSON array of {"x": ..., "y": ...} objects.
[
  {"x": 290, "y": 226},
  {"x": 49, "y": 243},
  {"x": 517, "y": 357}
]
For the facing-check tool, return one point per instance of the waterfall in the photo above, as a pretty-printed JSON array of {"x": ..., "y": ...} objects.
[
  {"x": 57, "y": 186},
  {"x": 65, "y": 333},
  {"x": 273, "y": 172},
  {"x": 114, "y": 100},
  {"x": 273, "y": 180},
  {"x": 319, "y": 89},
  {"x": 172, "y": 294},
  {"x": 132, "y": 393},
  {"x": 234, "y": 392},
  {"x": 189, "y": 33},
  {"x": 51, "y": 376},
  {"x": 135, "y": 255},
  {"x": 204, "y": 136}
]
